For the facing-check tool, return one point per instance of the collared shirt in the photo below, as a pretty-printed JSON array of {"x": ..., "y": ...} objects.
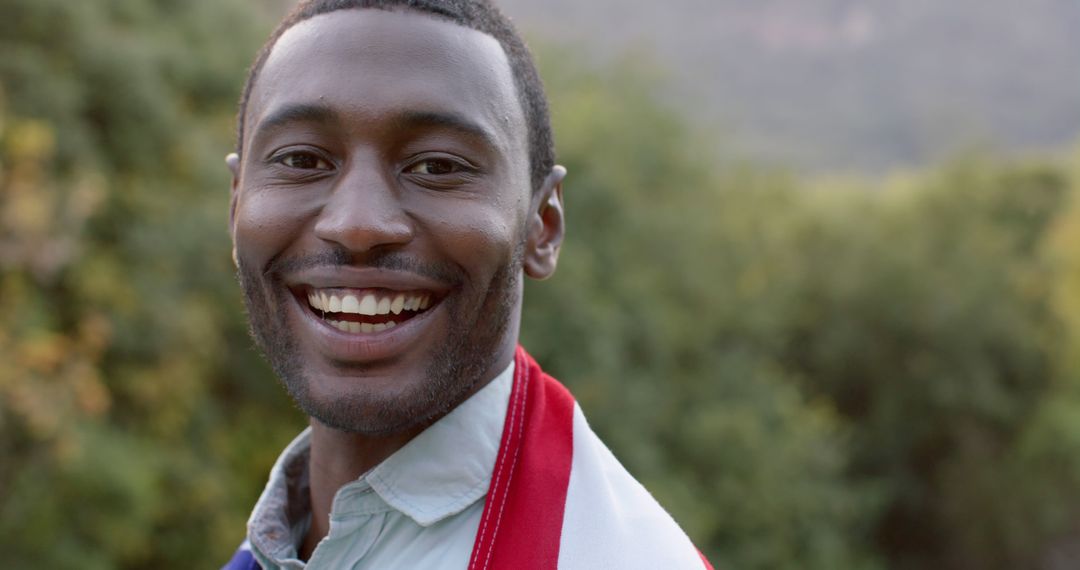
[{"x": 419, "y": 508}]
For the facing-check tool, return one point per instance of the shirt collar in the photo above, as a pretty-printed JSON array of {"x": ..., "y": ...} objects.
[
  {"x": 439, "y": 473},
  {"x": 448, "y": 466},
  {"x": 285, "y": 505}
]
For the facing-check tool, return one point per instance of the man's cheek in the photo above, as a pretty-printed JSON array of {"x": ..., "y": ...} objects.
[
  {"x": 267, "y": 224},
  {"x": 491, "y": 226},
  {"x": 488, "y": 246}
]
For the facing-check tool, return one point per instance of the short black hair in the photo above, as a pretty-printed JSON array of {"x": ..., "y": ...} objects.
[{"x": 480, "y": 15}]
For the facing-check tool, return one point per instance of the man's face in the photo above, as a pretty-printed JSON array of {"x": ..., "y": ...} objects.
[{"x": 381, "y": 213}]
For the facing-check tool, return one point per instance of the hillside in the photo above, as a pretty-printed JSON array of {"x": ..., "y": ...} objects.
[{"x": 846, "y": 84}]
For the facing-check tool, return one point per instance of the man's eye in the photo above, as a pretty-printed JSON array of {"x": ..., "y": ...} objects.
[
  {"x": 435, "y": 166},
  {"x": 304, "y": 161}
]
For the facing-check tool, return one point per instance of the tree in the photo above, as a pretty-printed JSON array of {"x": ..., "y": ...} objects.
[
  {"x": 124, "y": 439},
  {"x": 652, "y": 319},
  {"x": 809, "y": 374}
]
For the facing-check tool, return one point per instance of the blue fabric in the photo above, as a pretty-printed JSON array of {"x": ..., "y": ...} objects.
[{"x": 242, "y": 560}]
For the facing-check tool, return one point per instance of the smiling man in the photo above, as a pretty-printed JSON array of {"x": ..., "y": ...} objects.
[{"x": 394, "y": 181}]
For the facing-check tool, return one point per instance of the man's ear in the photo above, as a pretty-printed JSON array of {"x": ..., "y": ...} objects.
[
  {"x": 232, "y": 160},
  {"x": 546, "y": 227}
]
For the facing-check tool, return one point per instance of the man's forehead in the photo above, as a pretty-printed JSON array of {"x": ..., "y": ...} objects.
[{"x": 370, "y": 60}]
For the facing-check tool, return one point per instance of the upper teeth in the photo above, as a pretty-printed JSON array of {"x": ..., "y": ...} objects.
[{"x": 368, "y": 304}]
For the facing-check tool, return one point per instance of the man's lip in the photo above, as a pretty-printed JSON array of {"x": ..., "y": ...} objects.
[
  {"x": 370, "y": 346},
  {"x": 364, "y": 347},
  {"x": 347, "y": 277}
]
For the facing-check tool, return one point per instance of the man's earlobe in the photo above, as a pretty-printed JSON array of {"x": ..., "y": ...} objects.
[
  {"x": 547, "y": 226},
  {"x": 232, "y": 160}
]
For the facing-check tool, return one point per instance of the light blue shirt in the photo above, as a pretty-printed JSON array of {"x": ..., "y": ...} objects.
[{"x": 420, "y": 508}]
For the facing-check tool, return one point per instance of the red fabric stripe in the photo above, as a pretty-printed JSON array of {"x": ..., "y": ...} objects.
[
  {"x": 705, "y": 560},
  {"x": 523, "y": 513}
]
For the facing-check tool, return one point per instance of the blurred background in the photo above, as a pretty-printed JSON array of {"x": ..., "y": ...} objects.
[{"x": 820, "y": 291}]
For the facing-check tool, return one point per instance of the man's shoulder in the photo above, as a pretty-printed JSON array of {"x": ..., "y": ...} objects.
[{"x": 611, "y": 519}]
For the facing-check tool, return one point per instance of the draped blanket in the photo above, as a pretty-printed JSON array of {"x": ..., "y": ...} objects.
[{"x": 559, "y": 498}]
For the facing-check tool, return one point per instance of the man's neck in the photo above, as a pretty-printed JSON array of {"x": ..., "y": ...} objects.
[{"x": 337, "y": 459}]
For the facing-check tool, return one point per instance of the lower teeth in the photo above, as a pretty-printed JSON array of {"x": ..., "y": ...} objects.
[{"x": 351, "y": 327}]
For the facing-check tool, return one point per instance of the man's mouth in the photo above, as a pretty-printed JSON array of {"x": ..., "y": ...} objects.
[{"x": 367, "y": 310}]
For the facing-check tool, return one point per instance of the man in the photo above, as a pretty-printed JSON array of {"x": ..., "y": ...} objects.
[{"x": 394, "y": 180}]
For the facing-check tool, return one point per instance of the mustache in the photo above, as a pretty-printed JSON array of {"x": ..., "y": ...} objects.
[{"x": 387, "y": 260}]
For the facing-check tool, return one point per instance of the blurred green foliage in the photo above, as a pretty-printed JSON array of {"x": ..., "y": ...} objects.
[
  {"x": 135, "y": 418},
  {"x": 819, "y": 374}
]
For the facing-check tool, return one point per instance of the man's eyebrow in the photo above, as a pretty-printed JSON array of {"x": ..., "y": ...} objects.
[
  {"x": 296, "y": 113},
  {"x": 445, "y": 120},
  {"x": 321, "y": 114}
]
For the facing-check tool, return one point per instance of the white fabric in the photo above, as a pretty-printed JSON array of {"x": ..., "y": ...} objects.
[
  {"x": 610, "y": 520},
  {"x": 420, "y": 508}
]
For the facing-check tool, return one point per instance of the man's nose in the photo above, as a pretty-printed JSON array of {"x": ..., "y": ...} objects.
[{"x": 365, "y": 211}]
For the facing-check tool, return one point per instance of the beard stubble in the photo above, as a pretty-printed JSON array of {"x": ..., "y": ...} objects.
[{"x": 455, "y": 369}]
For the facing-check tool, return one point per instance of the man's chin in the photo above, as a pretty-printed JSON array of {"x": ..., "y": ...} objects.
[
  {"x": 377, "y": 409},
  {"x": 451, "y": 354},
  {"x": 360, "y": 418}
]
